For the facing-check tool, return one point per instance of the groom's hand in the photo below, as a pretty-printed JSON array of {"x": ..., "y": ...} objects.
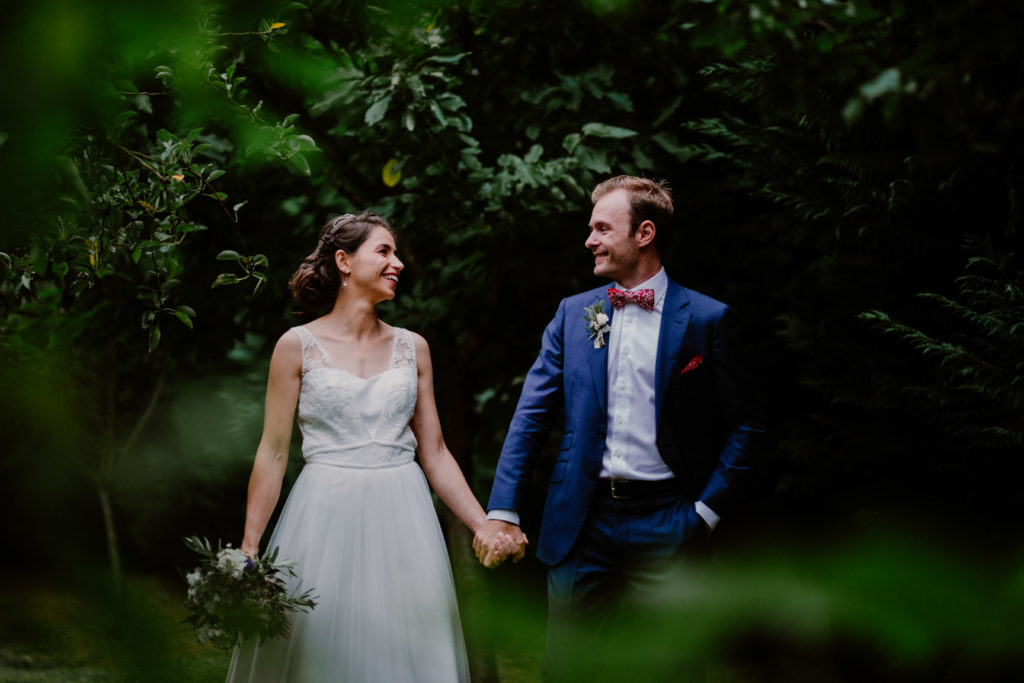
[{"x": 496, "y": 540}]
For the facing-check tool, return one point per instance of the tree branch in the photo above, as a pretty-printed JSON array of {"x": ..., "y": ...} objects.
[{"x": 154, "y": 399}]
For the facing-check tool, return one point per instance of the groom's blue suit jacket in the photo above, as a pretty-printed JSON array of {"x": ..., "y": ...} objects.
[{"x": 708, "y": 413}]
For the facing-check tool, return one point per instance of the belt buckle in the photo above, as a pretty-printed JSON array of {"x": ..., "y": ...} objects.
[{"x": 615, "y": 496}]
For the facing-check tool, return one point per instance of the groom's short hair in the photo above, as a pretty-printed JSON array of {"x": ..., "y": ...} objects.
[{"x": 650, "y": 200}]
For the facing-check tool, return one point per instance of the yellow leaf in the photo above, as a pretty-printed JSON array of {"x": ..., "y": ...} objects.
[
  {"x": 430, "y": 27},
  {"x": 178, "y": 176},
  {"x": 276, "y": 25},
  {"x": 91, "y": 245},
  {"x": 392, "y": 173},
  {"x": 147, "y": 206}
]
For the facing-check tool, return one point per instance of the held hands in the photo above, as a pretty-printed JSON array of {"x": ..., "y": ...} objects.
[{"x": 496, "y": 541}]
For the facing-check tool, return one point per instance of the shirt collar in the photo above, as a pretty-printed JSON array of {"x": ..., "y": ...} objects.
[{"x": 659, "y": 283}]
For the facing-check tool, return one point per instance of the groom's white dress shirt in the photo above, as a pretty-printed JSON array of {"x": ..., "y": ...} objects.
[{"x": 631, "y": 449}]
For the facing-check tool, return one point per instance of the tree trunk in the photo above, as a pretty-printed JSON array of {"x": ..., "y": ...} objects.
[{"x": 111, "y": 532}]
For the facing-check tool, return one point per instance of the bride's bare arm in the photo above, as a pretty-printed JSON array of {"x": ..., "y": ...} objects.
[
  {"x": 272, "y": 454},
  {"x": 438, "y": 464}
]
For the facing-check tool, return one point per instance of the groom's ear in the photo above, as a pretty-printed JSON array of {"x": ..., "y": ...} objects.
[{"x": 644, "y": 234}]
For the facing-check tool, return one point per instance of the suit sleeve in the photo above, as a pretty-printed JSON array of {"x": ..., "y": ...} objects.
[
  {"x": 539, "y": 405},
  {"x": 742, "y": 415}
]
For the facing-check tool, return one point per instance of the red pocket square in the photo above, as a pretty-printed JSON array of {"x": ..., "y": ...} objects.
[{"x": 692, "y": 365}]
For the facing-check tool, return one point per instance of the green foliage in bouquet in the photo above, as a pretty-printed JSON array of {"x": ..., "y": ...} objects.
[{"x": 233, "y": 597}]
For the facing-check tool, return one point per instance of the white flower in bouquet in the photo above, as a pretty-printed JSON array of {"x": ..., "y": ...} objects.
[{"x": 233, "y": 560}]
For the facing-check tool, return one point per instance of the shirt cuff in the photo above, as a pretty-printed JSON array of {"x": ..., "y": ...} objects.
[
  {"x": 510, "y": 516},
  {"x": 706, "y": 513}
]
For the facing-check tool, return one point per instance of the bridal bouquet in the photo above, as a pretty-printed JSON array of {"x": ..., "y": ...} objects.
[{"x": 232, "y": 597}]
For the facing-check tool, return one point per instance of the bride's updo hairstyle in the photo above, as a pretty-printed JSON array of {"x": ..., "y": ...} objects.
[{"x": 315, "y": 284}]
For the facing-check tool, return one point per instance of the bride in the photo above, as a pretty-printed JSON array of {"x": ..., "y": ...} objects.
[{"x": 359, "y": 521}]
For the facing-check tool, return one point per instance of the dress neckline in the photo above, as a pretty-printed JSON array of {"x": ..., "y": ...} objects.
[{"x": 330, "y": 361}]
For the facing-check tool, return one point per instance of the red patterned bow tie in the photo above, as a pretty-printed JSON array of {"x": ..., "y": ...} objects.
[{"x": 644, "y": 298}]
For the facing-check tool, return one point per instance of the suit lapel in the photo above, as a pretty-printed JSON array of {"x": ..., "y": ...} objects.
[
  {"x": 598, "y": 358},
  {"x": 674, "y": 319}
]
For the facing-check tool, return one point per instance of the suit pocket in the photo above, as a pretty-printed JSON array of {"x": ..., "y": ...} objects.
[
  {"x": 566, "y": 441},
  {"x": 558, "y": 472},
  {"x": 695, "y": 532}
]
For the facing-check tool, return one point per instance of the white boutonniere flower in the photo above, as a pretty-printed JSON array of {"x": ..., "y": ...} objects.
[{"x": 597, "y": 323}]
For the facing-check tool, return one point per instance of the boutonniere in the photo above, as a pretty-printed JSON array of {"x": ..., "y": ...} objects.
[
  {"x": 692, "y": 365},
  {"x": 597, "y": 323}
]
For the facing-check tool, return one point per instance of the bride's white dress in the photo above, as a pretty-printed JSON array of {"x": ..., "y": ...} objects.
[{"x": 361, "y": 526}]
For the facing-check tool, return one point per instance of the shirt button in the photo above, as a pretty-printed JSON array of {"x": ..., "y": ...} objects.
[
  {"x": 625, "y": 352},
  {"x": 618, "y": 421}
]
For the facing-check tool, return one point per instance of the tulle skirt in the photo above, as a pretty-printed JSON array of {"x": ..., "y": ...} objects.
[{"x": 368, "y": 542}]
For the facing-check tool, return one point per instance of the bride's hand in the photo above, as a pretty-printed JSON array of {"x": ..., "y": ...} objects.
[
  {"x": 496, "y": 540},
  {"x": 250, "y": 551}
]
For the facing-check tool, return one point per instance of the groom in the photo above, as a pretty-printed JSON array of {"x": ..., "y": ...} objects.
[{"x": 662, "y": 422}]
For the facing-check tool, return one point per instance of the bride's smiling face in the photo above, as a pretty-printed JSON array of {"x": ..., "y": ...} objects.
[{"x": 373, "y": 269}]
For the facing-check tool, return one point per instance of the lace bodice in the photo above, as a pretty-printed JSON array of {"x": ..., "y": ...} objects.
[{"x": 349, "y": 421}]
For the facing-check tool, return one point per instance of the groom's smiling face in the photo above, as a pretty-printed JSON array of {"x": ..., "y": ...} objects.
[{"x": 611, "y": 238}]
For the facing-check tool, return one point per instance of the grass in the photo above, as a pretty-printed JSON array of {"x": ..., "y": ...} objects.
[{"x": 75, "y": 629}]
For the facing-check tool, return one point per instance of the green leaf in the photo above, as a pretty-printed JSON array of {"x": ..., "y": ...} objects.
[
  {"x": 447, "y": 59},
  {"x": 438, "y": 114},
  {"x": 669, "y": 111},
  {"x": 621, "y": 100},
  {"x": 409, "y": 120},
  {"x": 154, "y": 337},
  {"x": 187, "y": 310},
  {"x": 300, "y": 163},
  {"x": 230, "y": 255},
  {"x": 603, "y": 130},
  {"x": 886, "y": 82},
  {"x": 305, "y": 143},
  {"x": 377, "y": 111},
  {"x": 570, "y": 142},
  {"x": 593, "y": 159},
  {"x": 225, "y": 279},
  {"x": 451, "y": 101},
  {"x": 185, "y": 320},
  {"x": 216, "y": 174}
]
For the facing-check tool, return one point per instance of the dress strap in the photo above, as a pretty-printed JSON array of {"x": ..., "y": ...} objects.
[
  {"x": 403, "y": 354},
  {"x": 313, "y": 355}
]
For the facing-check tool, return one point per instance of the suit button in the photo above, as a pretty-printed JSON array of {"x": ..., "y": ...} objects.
[{"x": 601, "y": 434}]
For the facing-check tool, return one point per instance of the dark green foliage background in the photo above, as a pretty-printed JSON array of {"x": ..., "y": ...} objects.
[{"x": 847, "y": 176}]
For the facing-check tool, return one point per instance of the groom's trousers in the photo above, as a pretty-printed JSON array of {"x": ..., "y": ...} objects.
[{"x": 601, "y": 595}]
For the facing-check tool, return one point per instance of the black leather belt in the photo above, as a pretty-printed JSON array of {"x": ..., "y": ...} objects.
[{"x": 635, "y": 489}]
